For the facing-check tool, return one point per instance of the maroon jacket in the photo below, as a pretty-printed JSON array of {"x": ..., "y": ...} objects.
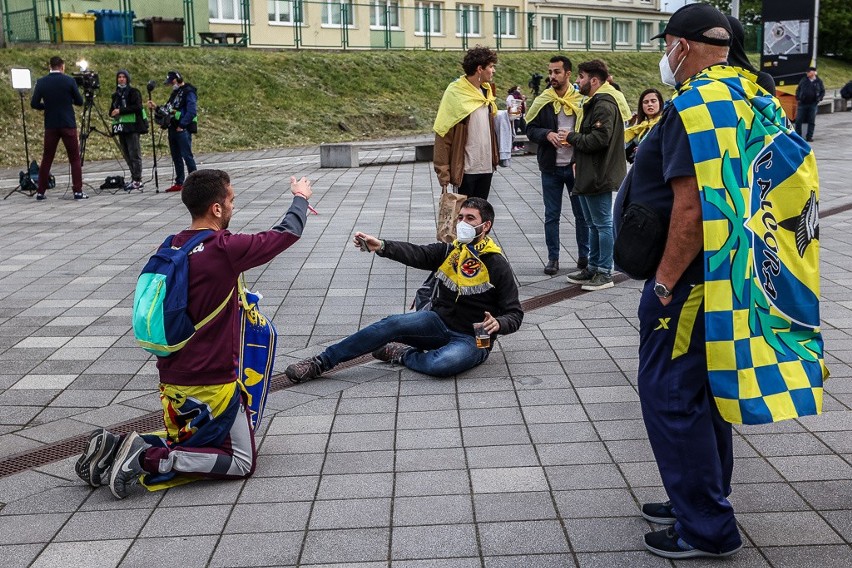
[{"x": 210, "y": 357}]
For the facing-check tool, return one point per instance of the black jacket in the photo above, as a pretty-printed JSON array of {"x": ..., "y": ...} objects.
[
  {"x": 810, "y": 92},
  {"x": 599, "y": 147},
  {"x": 538, "y": 128},
  {"x": 55, "y": 94},
  {"x": 459, "y": 314},
  {"x": 128, "y": 101}
]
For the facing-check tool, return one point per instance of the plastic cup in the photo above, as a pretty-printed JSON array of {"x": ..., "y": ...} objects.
[{"x": 483, "y": 338}]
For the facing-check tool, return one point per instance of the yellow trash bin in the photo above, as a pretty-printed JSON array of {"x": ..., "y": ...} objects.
[{"x": 76, "y": 28}]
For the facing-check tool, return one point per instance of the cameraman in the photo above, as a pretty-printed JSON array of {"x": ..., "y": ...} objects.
[
  {"x": 55, "y": 93},
  {"x": 182, "y": 122},
  {"x": 129, "y": 120}
]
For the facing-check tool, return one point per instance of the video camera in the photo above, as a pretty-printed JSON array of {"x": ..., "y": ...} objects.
[
  {"x": 87, "y": 79},
  {"x": 163, "y": 115},
  {"x": 535, "y": 83}
]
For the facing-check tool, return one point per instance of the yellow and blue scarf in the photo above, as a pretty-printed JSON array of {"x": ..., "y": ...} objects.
[
  {"x": 571, "y": 103},
  {"x": 460, "y": 99},
  {"x": 759, "y": 196},
  {"x": 463, "y": 271}
]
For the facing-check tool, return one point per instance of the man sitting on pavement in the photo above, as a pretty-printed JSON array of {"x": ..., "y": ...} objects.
[
  {"x": 208, "y": 430},
  {"x": 474, "y": 284}
]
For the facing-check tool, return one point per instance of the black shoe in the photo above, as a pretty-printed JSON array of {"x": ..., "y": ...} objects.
[
  {"x": 80, "y": 195},
  {"x": 97, "y": 457},
  {"x": 668, "y": 544},
  {"x": 392, "y": 352},
  {"x": 552, "y": 267},
  {"x": 40, "y": 197},
  {"x": 582, "y": 276},
  {"x": 582, "y": 262},
  {"x": 304, "y": 370},
  {"x": 660, "y": 513},
  {"x": 127, "y": 467},
  {"x": 504, "y": 163},
  {"x": 809, "y": 139}
]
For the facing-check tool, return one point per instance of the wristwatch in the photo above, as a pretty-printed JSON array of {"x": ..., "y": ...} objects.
[{"x": 661, "y": 290}]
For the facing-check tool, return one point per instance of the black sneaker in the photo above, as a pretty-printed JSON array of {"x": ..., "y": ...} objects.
[
  {"x": 392, "y": 352},
  {"x": 40, "y": 197},
  {"x": 97, "y": 457},
  {"x": 599, "y": 281},
  {"x": 552, "y": 267},
  {"x": 668, "y": 544},
  {"x": 581, "y": 276},
  {"x": 127, "y": 467},
  {"x": 80, "y": 195},
  {"x": 660, "y": 513},
  {"x": 304, "y": 370}
]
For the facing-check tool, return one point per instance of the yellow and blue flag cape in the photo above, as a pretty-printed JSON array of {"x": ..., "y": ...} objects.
[{"x": 759, "y": 198}]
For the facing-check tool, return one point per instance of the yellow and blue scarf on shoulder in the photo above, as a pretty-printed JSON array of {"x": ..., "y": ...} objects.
[
  {"x": 463, "y": 271},
  {"x": 759, "y": 197}
]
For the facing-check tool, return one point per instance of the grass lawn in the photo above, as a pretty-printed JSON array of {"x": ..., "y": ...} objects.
[{"x": 251, "y": 98}]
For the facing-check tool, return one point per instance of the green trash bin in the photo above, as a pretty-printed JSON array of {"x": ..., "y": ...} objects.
[{"x": 140, "y": 32}]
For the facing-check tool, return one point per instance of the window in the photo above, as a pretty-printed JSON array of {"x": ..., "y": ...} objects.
[
  {"x": 384, "y": 13},
  {"x": 334, "y": 13},
  {"x": 467, "y": 19},
  {"x": 645, "y": 32},
  {"x": 600, "y": 31},
  {"x": 549, "y": 29},
  {"x": 283, "y": 11},
  {"x": 504, "y": 21},
  {"x": 228, "y": 10},
  {"x": 622, "y": 32},
  {"x": 576, "y": 31},
  {"x": 428, "y": 18}
]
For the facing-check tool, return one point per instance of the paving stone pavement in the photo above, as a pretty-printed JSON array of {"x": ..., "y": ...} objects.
[{"x": 537, "y": 458}]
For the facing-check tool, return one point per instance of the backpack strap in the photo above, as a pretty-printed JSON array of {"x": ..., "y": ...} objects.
[{"x": 215, "y": 312}]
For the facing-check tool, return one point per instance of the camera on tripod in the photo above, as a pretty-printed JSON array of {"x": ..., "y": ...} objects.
[{"x": 87, "y": 79}]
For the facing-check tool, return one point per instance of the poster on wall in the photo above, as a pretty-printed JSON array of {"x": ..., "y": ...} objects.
[{"x": 789, "y": 39}]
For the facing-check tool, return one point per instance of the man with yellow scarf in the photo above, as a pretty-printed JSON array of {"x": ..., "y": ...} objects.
[
  {"x": 475, "y": 284},
  {"x": 598, "y": 144},
  {"x": 729, "y": 324},
  {"x": 557, "y": 108},
  {"x": 466, "y": 153}
]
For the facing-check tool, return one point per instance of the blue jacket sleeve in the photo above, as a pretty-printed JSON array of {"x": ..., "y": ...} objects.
[{"x": 188, "y": 116}]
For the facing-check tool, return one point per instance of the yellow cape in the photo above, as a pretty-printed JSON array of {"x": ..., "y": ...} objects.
[{"x": 460, "y": 99}]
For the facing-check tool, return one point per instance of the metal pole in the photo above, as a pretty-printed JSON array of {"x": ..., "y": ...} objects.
[
  {"x": 816, "y": 32},
  {"x": 735, "y": 8},
  {"x": 24, "y": 121}
]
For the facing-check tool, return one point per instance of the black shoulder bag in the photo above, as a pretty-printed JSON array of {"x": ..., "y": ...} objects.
[{"x": 641, "y": 239}]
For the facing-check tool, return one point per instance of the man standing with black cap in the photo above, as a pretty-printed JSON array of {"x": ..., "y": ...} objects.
[
  {"x": 809, "y": 93},
  {"x": 720, "y": 170},
  {"x": 183, "y": 108}
]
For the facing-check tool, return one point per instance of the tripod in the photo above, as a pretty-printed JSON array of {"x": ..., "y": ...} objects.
[
  {"x": 26, "y": 185},
  {"x": 151, "y": 85},
  {"x": 86, "y": 127}
]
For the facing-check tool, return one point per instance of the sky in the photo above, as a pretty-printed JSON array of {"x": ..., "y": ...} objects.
[{"x": 671, "y": 5}]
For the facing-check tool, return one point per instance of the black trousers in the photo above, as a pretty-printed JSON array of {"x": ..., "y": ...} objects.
[{"x": 476, "y": 185}]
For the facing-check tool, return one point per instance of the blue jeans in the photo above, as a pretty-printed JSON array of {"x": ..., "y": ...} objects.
[
  {"x": 597, "y": 209},
  {"x": 552, "y": 186},
  {"x": 806, "y": 113},
  {"x": 438, "y": 350},
  {"x": 180, "y": 146}
]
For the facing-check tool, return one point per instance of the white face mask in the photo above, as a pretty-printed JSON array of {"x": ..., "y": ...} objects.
[
  {"x": 667, "y": 76},
  {"x": 466, "y": 232}
]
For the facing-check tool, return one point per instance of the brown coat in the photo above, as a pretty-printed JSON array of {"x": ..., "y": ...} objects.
[{"x": 449, "y": 153}]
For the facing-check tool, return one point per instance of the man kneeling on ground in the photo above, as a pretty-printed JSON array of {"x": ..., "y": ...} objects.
[
  {"x": 208, "y": 431},
  {"x": 474, "y": 284}
]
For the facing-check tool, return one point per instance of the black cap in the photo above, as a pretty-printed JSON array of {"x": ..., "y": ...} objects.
[
  {"x": 691, "y": 21},
  {"x": 173, "y": 75}
]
